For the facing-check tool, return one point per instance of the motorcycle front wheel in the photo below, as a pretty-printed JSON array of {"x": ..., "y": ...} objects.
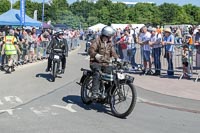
[
  {"x": 123, "y": 100},
  {"x": 54, "y": 71}
]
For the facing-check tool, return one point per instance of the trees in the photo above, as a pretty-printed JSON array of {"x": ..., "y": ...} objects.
[
  {"x": 5, "y": 6},
  {"x": 104, "y": 11}
]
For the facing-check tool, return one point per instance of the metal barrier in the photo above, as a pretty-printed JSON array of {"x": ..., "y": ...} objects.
[{"x": 180, "y": 69}]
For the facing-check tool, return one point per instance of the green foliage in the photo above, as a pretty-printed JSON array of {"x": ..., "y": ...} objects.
[
  {"x": 4, "y": 6},
  {"x": 85, "y": 13}
]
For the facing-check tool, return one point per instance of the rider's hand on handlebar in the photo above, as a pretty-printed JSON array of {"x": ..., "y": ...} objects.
[
  {"x": 98, "y": 56},
  {"x": 118, "y": 60}
]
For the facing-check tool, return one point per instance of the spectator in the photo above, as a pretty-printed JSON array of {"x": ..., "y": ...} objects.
[
  {"x": 155, "y": 42},
  {"x": 123, "y": 46},
  {"x": 24, "y": 47},
  {"x": 178, "y": 36},
  {"x": 131, "y": 49},
  {"x": 145, "y": 38},
  {"x": 197, "y": 44},
  {"x": 44, "y": 42},
  {"x": 168, "y": 42},
  {"x": 31, "y": 45}
]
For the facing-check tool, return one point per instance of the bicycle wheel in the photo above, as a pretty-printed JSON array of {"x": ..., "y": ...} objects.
[
  {"x": 86, "y": 90},
  {"x": 123, "y": 100}
]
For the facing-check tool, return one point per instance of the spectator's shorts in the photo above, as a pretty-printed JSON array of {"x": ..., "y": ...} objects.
[{"x": 146, "y": 55}]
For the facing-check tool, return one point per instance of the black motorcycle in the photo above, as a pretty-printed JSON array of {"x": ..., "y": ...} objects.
[
  {"x": 116, "y": 89},
  {"x": 87, "y": 46},
  {"x": 56, "y": 63}
]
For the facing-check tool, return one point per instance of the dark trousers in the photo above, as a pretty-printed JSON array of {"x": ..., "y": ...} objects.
[
  {"x": 4, "y": 59},
  {"x": 157, "y": 62},
  {"x": 121, "y": 56},
  {"x": 96, "y": 68},
  {"x": 131, "y": 54},
  {"x": 170, "y": 70}
]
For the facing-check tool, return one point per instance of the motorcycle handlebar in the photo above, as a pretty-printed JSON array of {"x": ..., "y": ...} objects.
[{"x": 57, "y": 50}]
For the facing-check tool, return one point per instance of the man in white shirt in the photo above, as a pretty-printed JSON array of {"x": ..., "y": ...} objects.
[{"x": 145, "y": 38}]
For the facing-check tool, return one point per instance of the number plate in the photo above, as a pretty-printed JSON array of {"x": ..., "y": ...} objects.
[
  {"x": 56, "y": 57},
  {"x": 120, "y": 76}
]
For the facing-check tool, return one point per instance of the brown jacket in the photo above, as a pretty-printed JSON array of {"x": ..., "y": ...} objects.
[{"x": 98, "y": 47}]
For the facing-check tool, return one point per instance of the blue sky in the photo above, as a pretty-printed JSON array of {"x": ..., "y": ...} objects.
[{"x": 158, "y": 2}]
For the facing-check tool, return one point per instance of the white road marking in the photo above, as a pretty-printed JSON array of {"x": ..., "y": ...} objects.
[
  {"x": 9, "y": 111},
  {"x": 41, "y": 111},
  {"x": 54, "y": 113},
  {"x": 68, "y": 107},
  {"x": 13, "y": 99},
  {"x": 1, "y": 103},
  {"x": 139, "y": 99}
]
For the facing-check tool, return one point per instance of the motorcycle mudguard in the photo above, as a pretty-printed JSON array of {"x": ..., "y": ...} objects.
[{"x": 86, "y": 73}]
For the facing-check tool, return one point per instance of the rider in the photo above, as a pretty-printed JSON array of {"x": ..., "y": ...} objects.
[
  {"x": 10, "y": 48},
  {"x": 101, "y": 51},
  {"x": 90, "y": 36},
  {"x": 57, "y": 42}
]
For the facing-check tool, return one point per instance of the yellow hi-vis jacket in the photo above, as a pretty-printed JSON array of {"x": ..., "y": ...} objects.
[{"x": 10, "y": 48}]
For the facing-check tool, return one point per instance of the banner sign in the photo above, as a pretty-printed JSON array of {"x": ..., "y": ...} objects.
[{"x": 22, "y": 11}]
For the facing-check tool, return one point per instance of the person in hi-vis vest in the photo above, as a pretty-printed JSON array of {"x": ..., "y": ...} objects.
[{"x": 10, "y": 47}]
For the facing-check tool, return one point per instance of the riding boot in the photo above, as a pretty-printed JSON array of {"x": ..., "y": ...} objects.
[{"x": 95, "y": 85}]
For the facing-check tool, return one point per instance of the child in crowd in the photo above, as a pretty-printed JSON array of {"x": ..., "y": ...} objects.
[{"x": 187, "y": 56}]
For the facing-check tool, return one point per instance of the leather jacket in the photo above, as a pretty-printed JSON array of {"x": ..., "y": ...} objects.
[
  {"x": 56, "y": 43},
  {"x": 98, "y": 47}
]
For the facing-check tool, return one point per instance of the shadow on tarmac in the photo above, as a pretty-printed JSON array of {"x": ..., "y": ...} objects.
[
  {"x": 83, "y": 53},
  {"x": 45, "y": 76},
  {"x": 93, "y": 106}
]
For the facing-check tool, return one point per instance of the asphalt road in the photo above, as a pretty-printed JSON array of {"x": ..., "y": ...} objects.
[{"x": 30, "y": 103}]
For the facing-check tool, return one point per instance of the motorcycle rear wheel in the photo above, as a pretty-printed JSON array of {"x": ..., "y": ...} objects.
[{"x": 86, "y": 90}]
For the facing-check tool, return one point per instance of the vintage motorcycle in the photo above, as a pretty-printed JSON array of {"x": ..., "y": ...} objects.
[
  {"x": 56, "y": 63},
  {"x": 116, "y": 89}
]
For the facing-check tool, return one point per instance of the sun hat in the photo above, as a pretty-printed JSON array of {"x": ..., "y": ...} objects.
[{"x": 167, "y": 30}]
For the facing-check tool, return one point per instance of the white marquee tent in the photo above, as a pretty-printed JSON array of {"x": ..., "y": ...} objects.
[
  {"x": 97, "y": 27},
  {"x": 123, "y": 26}
]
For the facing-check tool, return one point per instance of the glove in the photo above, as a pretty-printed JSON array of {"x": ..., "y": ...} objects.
[
  {"x": 118, "y": 60},
  {"x": 98, "y": 56}
]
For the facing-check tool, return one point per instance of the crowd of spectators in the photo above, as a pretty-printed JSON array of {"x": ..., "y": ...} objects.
[
  {"x": 150, "y": 43},
  {"x": 153, "y": 42},
  {"x": 33, "y": 43}
]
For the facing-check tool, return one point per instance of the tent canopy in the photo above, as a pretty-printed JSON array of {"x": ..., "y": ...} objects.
[
  {"x": 9, "y": 18},
  {"x": 97, "y": 27}
]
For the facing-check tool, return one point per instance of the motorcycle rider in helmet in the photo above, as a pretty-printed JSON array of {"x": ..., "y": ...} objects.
[
  {"x": 57, "y": 42},
  {"x": 101, "y": 51}
]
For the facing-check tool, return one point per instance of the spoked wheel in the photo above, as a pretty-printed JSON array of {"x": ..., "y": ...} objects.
[
  {"x": 54, "y": 71},
  {"x": 86, "y": 90},
  {"x": 123, "y": 99}
]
